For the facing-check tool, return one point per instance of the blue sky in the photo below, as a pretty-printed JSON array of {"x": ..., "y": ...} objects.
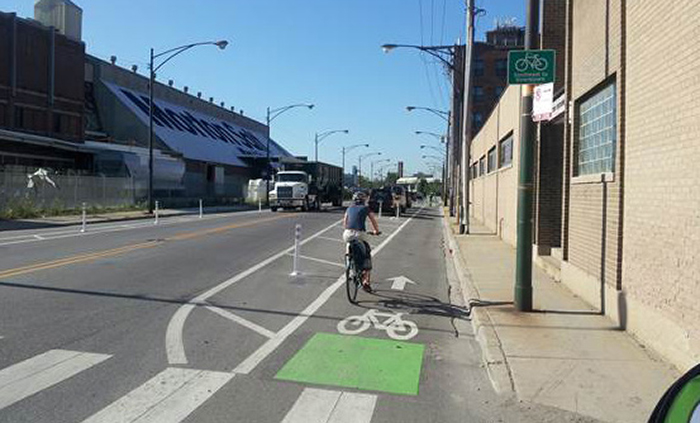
[{"x": 325, "y": 52}]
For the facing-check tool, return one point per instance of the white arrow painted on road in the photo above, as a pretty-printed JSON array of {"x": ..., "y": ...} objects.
[{"x": 399, "y": 282}]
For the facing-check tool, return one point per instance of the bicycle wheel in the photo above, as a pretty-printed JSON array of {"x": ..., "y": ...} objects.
[
  {"x": 353, "y": 325},
  {"x": 350, "y": 279},
  {"x": 521, "y": 65},
  {"x": 402, "y": 330}
]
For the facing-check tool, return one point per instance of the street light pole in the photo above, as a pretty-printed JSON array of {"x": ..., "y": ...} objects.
[
  {"x": 359, "y": 177},
  {"x": 467, "y": 130},
  {"x": 320, "y": 137},
  {"x": 150, "y": 134},
  {"x": 347, "y": 150},
  {"x": 151, "y": 82},
  {"x": 523, "y": 262},
  {"x": 271, "y": 115}
]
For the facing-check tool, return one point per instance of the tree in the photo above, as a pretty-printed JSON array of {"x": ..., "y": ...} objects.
[{"x": 423, "y": 186}]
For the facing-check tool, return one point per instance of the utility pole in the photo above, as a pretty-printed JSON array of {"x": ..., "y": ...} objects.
[
  {"x": 467, "y": 129},
  {"x": 523, "y": 262}
]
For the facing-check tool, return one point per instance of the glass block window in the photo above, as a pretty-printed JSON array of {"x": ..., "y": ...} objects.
[
  {"x": 492, "y": 159},
  {"x": 597, "y": 132},
  {"x": 482, "y": 165},
  {"x": 505, "y": 156}
]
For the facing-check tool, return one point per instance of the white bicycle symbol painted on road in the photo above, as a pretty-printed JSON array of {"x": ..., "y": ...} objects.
[{"x": 396, "y": 327}]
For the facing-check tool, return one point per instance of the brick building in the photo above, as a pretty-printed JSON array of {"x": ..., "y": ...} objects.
[
  {"x": 41, "y": 95},
  {"x": 617, "y": 198},
  {"x": 491, "y": 69}
]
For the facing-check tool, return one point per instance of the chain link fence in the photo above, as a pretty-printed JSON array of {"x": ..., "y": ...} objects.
[{"x": 30, "y": 189}]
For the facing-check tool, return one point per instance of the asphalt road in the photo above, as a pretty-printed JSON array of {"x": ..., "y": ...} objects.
[{"x": 199, "y": 320}]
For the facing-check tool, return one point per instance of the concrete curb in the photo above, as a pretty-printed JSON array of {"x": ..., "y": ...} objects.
[{"x": 492, "y": 351}]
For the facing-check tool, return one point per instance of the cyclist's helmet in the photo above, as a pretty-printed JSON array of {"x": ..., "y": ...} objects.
[{"x": 359, "y": 197}]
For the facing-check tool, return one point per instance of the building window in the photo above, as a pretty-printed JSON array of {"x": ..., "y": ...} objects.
[
  {"x": 502, "y": 67},
  {"x": 492, "y": 159},
  {"x": 597, "y": 132},
  {"x": 19, "y": 117},
  {"x": 479, "y": 67},
  {"x": 497, "y": 91},
  {"x": 505, "y": 149},
  {"x": 477, "y": 120},
  {"x": 478, "y": 94},
  {"x": 482, "y": 165}
]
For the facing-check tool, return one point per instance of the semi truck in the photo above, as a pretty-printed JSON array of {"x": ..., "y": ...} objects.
[{"x": 307, "y": 185}]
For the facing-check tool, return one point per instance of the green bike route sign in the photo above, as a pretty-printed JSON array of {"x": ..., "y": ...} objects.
[{"x": 531, "y": 66}]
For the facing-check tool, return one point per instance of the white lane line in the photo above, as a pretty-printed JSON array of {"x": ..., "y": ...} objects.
[
  {"x": 324, "y": 406},
  {"x": 30, "y": 376},
  {"x": 170, "y": 396},
  {"x": 327, "y": 238},
  {"x": 312, "y": 406},
  {"x": 40, "y": 238},
  {"x": 174, "y": 345},
  {"x": 354, "y": 407},
  {"x": 243, "y": 322},
  {"x": 318, "y": 260},
  {"x": 268, "y": 347}
]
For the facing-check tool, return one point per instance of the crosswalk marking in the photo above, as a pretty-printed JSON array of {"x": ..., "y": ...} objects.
[
  {"x": 354, "y": 408},
  {"x": 30, "y": 376},
  {"x": 323, "y": 406},
  {"x": 170, "y": 396}
]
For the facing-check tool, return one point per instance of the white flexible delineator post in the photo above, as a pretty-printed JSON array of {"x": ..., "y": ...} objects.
[
  {"x": 83, "y": 226},
  {"x": 155, "y": 222},
  {"x": 297, "y": 239},
  {"x": 201, "y": 209},
  {"x": 381, "y": 203}
]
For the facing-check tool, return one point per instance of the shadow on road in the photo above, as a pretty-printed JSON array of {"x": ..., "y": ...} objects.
[
  {"x": 436, "y": 304},
  {"x": 414, "y": 304}
]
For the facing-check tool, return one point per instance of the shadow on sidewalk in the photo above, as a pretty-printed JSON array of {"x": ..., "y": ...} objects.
[{"x": 414, "y": 304}]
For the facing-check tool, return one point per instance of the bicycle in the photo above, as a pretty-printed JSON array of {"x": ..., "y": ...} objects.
[{"x": 354, "y": 270}]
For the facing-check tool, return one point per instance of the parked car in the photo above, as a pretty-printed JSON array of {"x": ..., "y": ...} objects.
[{"x": 380, "y": 196}]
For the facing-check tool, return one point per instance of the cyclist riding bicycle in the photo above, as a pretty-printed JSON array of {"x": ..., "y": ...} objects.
[{"x": 354, "y": 225}]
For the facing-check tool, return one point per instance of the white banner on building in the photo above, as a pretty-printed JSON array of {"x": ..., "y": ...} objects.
[
  {"x": 197, "y": 135},
  {"x": 543, "y": 102}
]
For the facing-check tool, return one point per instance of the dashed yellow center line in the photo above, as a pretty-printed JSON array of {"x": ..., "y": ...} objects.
[{"x": 81, "y": 258}]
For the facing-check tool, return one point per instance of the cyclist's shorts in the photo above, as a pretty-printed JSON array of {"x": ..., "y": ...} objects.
[{"x": 352, "y": 235}]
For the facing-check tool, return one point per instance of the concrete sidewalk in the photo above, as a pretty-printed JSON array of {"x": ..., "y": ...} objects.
[
  {"x": 565, "y": 354},
  {"x": 71, "y": 220}
]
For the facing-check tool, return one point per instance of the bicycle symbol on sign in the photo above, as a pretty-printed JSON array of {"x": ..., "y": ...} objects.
[
  {"x": 532, "y": 61},
  {"x": 396, "y": 327}
]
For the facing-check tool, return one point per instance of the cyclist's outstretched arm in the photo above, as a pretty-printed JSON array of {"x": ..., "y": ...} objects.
[{"x": 373, "y": 220}]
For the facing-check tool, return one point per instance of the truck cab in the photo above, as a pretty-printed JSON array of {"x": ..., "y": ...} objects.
[{"x": 291, "y": 190}]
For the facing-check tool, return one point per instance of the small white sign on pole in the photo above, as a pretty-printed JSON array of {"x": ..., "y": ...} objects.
[{"x": 543, "y": 102}]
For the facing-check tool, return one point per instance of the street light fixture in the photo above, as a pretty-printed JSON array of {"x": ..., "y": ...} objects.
[
  {"x": 439, "y": 137},
  {"x": 441, "y": 113},
  {"x": 347, "y": 150},
  {"x": 323, "y": 135},
  {"x": 359, "y": 170},
  {"x": 438, "y": 149},
  {"x": 445, "y": 54},
  {"x": 152, "y": 77},
  {"x": 272, "y": 114}
]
